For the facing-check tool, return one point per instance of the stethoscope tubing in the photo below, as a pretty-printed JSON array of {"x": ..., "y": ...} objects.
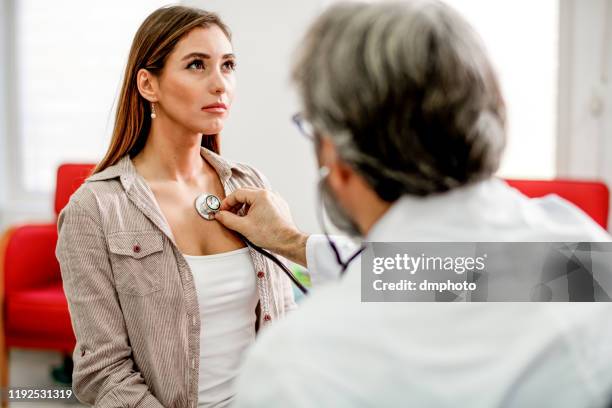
[
  {"x": 278, "y": 263},
  {"x": 206, "y": 211}
]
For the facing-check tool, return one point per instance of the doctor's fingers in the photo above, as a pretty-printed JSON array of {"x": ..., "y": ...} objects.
[{"x": 243, "y": 195}]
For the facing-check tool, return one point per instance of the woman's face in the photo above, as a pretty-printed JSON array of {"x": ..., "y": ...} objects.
[{"x": 196, "y": 86}]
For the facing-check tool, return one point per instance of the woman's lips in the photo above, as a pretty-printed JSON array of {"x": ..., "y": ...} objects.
[{"x": 215, "y": 108}]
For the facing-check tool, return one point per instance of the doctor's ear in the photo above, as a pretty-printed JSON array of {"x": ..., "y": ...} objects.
[
  {"x": 147, "y": 85},
  {"x": 327, "y": 153},
  {"x": 339, "y": 172}
]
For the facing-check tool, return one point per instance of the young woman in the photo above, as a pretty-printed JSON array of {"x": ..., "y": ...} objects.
[{"x": 164, "y": 302}]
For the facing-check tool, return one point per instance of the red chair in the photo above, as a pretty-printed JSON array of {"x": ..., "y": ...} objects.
[
  {"x": 35, "y": 310},
  {"x": 592, "y": 197}
]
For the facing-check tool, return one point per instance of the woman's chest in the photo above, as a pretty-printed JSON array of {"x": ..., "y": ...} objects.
[{"x": 193, "y": 234}]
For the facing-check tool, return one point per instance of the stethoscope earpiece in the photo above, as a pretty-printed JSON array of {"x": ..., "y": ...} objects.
[{"x": 323, "y": 172}]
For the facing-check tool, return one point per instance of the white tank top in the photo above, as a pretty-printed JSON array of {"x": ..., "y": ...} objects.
[{"x": 227, "y": 297}]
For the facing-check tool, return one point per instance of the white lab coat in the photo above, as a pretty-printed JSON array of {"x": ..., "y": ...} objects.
[{"x": 336, "y": 351}]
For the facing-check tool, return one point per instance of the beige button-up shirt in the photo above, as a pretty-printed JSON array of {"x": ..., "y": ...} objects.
[{"x": 131, "y": 294}]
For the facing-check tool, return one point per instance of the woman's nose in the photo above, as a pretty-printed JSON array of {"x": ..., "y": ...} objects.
[{"x": 217, "y": 84}]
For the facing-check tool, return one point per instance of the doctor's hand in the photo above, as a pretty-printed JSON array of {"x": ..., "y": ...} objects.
[{"x": 266, "y": 222}]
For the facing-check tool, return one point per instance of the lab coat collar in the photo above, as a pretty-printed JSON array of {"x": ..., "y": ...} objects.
[{"x": 409, "y": 209}]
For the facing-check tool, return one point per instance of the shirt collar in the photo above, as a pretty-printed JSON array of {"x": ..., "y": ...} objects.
[{"x": 126, "y": 171}]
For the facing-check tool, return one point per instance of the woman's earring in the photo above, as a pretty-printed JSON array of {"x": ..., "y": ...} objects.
[{"x": 153, "y": 115}]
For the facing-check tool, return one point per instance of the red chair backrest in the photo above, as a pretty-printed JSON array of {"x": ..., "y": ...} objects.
[
  {"x": 70, "y": 176},
  {"x": 592, "y": 197}
]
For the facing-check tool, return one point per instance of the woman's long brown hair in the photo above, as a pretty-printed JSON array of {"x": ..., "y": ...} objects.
[{"x": 154, "y": 40}]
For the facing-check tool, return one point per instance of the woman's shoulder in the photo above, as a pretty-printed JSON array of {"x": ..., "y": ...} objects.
[
  {"x": 86, "y": 198},
  {"x": 101, "y": 187},
  {"x": 245, "y": 175},
  {"x": 248, "y": 175}
]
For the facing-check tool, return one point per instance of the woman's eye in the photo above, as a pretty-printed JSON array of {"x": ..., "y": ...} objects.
[
  {"x": 229, "y": 65},
  {"x": 196, "y": 64}
]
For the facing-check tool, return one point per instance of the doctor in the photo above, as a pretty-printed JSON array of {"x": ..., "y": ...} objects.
[{"x": 408, "y": 123}]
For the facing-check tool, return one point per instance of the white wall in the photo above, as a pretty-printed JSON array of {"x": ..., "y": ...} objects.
[
  {"x": 585, "y": 90},
  {"x": 3, "y": 103},
  {"x": 584, "y": 116},
  {"x": 259, "y": 130}
]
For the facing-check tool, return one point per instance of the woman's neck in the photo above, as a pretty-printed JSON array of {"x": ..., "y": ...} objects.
[{"x": 171, "y": 155}]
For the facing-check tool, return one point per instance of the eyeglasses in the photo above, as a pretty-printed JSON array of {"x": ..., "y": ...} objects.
[{"x": 304, "y": 126}]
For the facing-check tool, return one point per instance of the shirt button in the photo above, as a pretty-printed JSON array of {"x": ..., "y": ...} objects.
[
  {"x": 260, "y": 274},
  {"x": 136, "y": 248},
  {"x": 267, "y": 317}
]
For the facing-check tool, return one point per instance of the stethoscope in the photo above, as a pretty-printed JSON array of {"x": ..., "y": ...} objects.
[{"x": 207, "y": 205}]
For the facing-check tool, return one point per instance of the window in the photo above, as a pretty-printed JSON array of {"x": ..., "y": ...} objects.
[
  {"x": 522, "y": 40},
  {"x": 69, "y": 61}
]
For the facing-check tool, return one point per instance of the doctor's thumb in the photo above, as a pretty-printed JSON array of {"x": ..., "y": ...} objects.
[{"x": 231, "y": 221}]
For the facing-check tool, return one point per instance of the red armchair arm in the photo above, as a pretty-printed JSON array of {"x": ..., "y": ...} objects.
[
  {"x": 592, "y": 197},
  {"x": 29, "y": 257}
]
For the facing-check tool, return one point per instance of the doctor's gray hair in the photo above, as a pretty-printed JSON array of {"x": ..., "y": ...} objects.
[{"x": 406, "y": 93}]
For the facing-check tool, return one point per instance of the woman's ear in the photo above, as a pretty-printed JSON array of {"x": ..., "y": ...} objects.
[{"x": 147, "y": 85}]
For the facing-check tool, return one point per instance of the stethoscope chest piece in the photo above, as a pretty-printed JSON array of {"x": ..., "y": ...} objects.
[{"x": 207, "y": 205}]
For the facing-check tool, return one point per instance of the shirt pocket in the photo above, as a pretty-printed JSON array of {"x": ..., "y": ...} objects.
[{"x": 136, "y": 259}]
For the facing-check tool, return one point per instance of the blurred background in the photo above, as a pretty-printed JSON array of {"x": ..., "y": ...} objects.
[{"x": 62, "y": 62}]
